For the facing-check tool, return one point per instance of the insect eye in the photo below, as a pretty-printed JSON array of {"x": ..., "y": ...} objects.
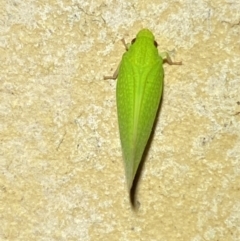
[
  {"x": 156, "y": 44},
  {"x": 133, "y": 41}
]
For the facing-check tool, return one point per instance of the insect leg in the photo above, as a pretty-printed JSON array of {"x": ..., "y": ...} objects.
[{"x": 166, "y": 58}]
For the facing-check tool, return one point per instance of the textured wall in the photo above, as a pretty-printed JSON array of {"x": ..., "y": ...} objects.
[{"x": 61, "y": 169}]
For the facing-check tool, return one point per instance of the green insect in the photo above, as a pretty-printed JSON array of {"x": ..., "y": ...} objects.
[{"x": 139, "y": 90}]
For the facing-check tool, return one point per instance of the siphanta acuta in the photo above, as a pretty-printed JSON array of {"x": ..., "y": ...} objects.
[{"x": 139, "y": 90}]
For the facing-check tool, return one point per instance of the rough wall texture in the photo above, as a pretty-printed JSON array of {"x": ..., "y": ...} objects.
[{"x": 61, "y": 170}]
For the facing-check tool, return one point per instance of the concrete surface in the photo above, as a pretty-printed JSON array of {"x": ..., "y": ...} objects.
[{"x": 61, "y": 169}]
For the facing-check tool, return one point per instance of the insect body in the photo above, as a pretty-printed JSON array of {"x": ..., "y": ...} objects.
[{"x": 139, "y": 90}]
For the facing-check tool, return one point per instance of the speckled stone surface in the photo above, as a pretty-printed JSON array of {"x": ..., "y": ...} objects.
[{"x": 61, "y": 169}]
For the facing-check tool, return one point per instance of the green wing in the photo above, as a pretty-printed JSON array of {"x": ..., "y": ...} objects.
[{"x": 139, "y": 90}]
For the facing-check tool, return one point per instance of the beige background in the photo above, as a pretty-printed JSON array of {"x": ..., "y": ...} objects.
[{"x": 61, "y": 169}]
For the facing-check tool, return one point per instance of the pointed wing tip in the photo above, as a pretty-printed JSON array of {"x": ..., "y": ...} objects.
[
  {"x": 129, "y": 184},
  {"x": 129, "y": 187}
]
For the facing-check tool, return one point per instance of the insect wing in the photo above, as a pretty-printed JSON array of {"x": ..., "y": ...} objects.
[{"x": 139, "y": 92}]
